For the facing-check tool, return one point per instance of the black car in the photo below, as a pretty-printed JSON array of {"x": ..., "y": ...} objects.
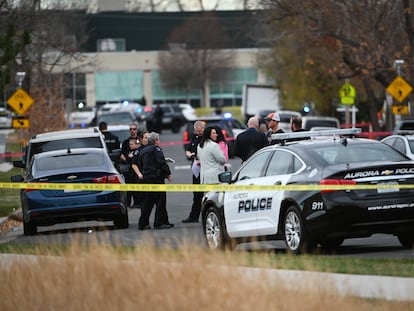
[
  {"x": 172, "y": 118},
  {"x": 44, "y": 207},
  {"x": 231, "y": 128},
  {"x": 374, "y": 194}
]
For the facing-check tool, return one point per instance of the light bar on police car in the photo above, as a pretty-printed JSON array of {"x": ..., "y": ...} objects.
[{"x": 307, "y": 134}]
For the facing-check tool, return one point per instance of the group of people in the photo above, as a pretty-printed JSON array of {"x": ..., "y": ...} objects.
[
  {"x": 209, "y": 153},
  {"x": 205, "y": 147},
  {"x": 144, "y": 162}
]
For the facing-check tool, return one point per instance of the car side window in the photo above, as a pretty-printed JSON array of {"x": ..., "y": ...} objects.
[
  {"x": 255, "y": 167},
  {"x": 281, "y": 163},
  {"x": 399, "y": 145}
]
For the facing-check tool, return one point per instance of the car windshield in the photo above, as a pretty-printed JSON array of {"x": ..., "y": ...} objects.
[
  {"x": 353, "y": 153},
  {"x": 121, "y": 134},
  {"x": 116, "y": 118},
  {"x": 81, "y": 142},
  {"x": 72, "y": 161}
]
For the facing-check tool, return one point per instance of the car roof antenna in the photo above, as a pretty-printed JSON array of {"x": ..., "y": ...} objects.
[{"x": 68, "y": 151}]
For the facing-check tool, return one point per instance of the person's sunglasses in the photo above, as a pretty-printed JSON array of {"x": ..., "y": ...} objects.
[{"x": 132, "y": 129}]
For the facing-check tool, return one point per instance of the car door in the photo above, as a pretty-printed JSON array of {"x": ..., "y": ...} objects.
[
  {"x": 241, "y": 207},
  {"x": 281, "y": 167}
]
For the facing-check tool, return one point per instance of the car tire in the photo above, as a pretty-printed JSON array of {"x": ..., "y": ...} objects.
[
  {"x": 122, "y": 222},
  {"x": 406, "y": 240},
  {"x": 29, "y": 229},
  {"x": 295, "y": 236},
  {"x": 215, "y": 230},
  {"x": 175, "y": 126}
]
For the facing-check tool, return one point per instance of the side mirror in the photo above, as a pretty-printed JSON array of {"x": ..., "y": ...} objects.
[{"x": 225, "y": 177}]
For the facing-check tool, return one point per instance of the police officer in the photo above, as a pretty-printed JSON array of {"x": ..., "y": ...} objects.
[
  {"x": 191, "y": 152},
  {"x": 111, "y": 140},
  {"x": 154, "y": 170}
]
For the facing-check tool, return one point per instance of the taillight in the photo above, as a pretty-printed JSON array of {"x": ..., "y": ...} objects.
[
  {"x": 111, "y": 179},
  {"x": 225, "y": 134},
  {"x": 335, "y": 182},
  {"x": 185, "y": 136}
]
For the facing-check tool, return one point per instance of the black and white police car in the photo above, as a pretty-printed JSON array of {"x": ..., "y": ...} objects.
[{"x": 374, "y": 194}]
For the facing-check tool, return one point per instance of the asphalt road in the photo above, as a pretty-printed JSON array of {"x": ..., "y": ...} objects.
[{"x": 178, "y": 207}]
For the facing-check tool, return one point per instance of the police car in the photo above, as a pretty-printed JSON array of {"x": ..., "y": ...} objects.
[{"x": 374, "y": 193}]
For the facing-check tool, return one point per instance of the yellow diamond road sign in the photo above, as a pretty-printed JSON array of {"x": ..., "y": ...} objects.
[
  {"x": 399, "y": 89},
  {"x": 20, "y": 101}
]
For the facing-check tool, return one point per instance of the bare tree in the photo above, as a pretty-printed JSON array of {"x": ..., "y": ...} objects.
[
  {"x": 55, "y": 38},
  {"x": 196, "y": 57},
  {"x": 357, "y": 40}
]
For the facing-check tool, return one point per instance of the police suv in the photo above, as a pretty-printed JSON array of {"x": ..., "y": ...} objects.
[{"x": 316, "y": 187}]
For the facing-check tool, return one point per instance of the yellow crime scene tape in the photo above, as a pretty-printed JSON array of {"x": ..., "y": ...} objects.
[{"x": 192, "y": 187}]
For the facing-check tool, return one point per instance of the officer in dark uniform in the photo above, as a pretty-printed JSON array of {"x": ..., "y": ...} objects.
[
  {"x": 191, "y": 152},
  {"x": 111, "y": 140},
  {"x": 154, "y": 170}
]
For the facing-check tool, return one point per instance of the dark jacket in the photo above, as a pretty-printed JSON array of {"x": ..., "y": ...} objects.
[
  {"x": 248, "y": 142},
  {"x": 274, "y": 141},
  {"x": 111, "y": 141},
  {"x": 153, "y": 166}
]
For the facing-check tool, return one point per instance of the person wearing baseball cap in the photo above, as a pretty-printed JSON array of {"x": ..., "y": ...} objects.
[{"x": 272, "y": 121}]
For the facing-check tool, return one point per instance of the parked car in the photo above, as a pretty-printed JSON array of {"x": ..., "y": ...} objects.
[
  {"x": 188, "y": 111},
  {"x": 74, "y": 138},
  {"x": 83, "y": 117},
  {"x": 231, "y": 128},
  {"x": 6, "y": 118},
  {"x": 119, "y": 117},
  {"x": 403, "y": 143},
  {"x": 172, "y": 119},
  {"x": 403, "y": 125},
  {"x": 121, "y": 131},
  {"x": 42, "y": 207},
  {"x": 309, "y": 216},
  {"x": 309, "y": 122}
]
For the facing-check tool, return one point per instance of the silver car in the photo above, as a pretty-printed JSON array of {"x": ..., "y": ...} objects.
[{"x": 6, "y": 118}]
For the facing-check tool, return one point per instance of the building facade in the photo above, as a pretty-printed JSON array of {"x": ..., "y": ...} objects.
[{"x": 120, "y": 59}]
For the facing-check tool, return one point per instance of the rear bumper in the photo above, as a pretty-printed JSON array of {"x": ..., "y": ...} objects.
[{"x": 67, "y": 214}]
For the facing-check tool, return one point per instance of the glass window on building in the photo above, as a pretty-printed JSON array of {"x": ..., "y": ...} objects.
[
  {"x": 116, "y": 86},
  {"x": 111, "y": 45},
  {"x": 74, "y": 88}
]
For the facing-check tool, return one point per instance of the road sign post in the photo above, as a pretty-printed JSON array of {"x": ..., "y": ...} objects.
[{"x": 20, "y": 101}]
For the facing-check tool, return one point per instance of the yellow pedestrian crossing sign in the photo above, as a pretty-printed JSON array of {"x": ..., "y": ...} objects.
[
  {"x": 20, "y": 101},
  {"x": 347, "y": 94},
  {"x": 399, "y": 89}
]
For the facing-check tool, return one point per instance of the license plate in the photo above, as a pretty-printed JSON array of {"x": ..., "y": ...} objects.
[{"x": 387, "y": 189}]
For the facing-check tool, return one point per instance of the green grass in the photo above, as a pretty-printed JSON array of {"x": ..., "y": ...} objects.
[{"x": 10, "y": 199}]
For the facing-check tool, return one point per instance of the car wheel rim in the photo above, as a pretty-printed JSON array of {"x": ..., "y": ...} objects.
[
  {"x": 292, "y": 231},
  {"x": 213, "y": 230}
]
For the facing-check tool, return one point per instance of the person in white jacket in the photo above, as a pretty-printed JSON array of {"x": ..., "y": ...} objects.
[{"x": 211, "y": 157}]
